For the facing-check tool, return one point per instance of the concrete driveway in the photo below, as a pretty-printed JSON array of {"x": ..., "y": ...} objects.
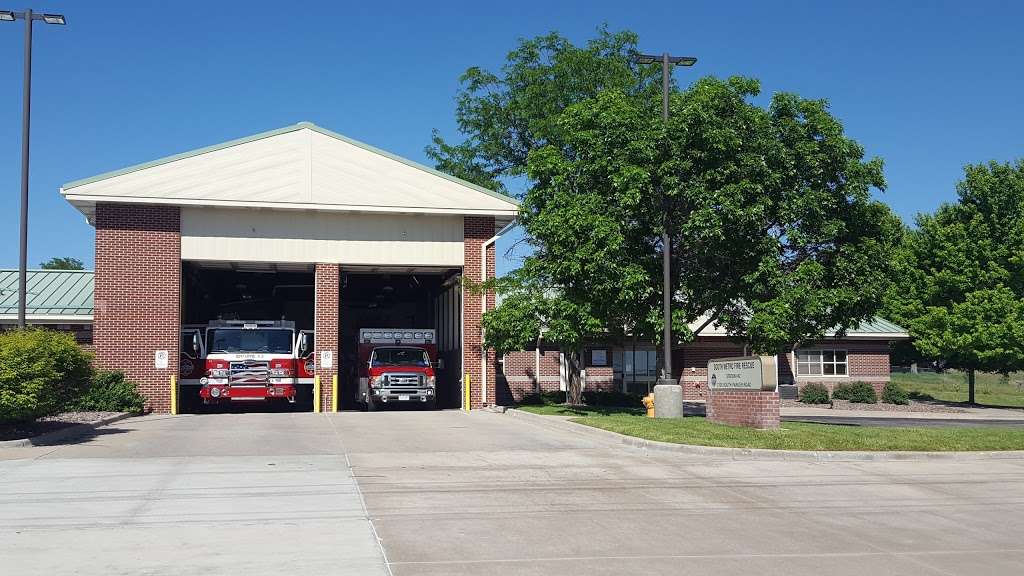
[{"x": 451, "y": 493}]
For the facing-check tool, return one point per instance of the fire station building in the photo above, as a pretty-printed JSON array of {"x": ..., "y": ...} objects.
[{"x": 298, "y": 224}]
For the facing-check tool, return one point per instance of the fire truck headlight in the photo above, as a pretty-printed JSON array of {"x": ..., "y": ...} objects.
[
  {"x": 431, "y": 381},
  {"x": 215, "y": 392}
]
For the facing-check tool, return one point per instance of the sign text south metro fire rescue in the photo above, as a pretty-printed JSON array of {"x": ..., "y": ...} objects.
[{"x": 735, "y": 373}]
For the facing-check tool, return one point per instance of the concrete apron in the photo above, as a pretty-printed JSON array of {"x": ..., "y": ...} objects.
[{"x": 564, "y": 424}]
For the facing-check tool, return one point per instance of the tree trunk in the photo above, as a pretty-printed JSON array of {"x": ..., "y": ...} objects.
[
  {"x": 574, "y": 395},
  {"x": 970, "y": 385}
]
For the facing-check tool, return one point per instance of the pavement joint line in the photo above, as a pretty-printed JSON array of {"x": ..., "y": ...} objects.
[
  {"x": 764, "y": 454},
  {"x": 359, "y": 492},
  {"x": 780, "y": 555}
]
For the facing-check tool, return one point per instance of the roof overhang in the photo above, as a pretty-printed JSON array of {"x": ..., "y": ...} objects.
[
  {"x": 299, "y": 167},
  {"x": 48, "y": 318}
]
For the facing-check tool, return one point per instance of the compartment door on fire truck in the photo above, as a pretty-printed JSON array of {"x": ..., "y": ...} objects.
[
  {"x": 305, "y": 363},
  {"x": 192, "y": 351}
]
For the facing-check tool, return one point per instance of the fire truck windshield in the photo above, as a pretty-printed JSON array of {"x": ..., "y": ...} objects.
[
  {"x": 399, "y": 357},
  {"x": 264, "y": 341}
]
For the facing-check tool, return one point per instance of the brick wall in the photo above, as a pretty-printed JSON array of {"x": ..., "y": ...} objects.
[
  {"x": 477, "y": 230},
  {"x": 742, "y": 408},
  {"x": 690, "y": 364},
  {"x": 326, "y": 314},
  {"x": 137, "y": 294},
  {"x": 867, "y": 361},
  {"x": 520, "y": 377}
]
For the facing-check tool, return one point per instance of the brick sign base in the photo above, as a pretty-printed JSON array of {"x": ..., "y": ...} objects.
[{"x": 744, "y": 408}]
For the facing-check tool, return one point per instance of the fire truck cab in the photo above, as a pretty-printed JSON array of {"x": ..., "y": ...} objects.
[
  {"x": 247, "y": 360},
  {"x": 396, "y": 366}
]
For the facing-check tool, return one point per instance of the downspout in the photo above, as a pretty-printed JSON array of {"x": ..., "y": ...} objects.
[{"x": 483, "y": 308}]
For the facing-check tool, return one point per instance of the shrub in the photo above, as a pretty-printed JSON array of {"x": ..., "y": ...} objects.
[
  {"x": 611, "y": 398},
  {"x": 542, "y": 398},
  {"x": 40, "y": 371},
  {"x": 109, "y": 391},
  {"x": 856, "y": 392},
  {"x": 814, "y": 394},
  {"x": 893, "y": 393}
]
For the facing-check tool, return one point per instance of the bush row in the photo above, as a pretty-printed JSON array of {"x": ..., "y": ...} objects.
[
  {"x": 44, "y": 372},
  {"x": 609, "y": 398},
  {"x": 856, "y": 392}
]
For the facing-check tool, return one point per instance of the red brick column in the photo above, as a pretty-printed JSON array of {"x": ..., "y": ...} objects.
[
  {"x": 137, "y": 295},
  {"x": 744, "y": 408},
  {"x": 477, "y": 230},
  {"x": 327, "y": 295}
]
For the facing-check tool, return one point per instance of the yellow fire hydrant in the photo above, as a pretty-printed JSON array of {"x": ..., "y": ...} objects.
[{"x": 649, "y": 403}]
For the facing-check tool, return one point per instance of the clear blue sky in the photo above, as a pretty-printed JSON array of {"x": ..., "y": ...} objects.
[{"x": 928, "y": 86}]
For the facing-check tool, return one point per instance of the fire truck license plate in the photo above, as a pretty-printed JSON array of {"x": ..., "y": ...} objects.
[{"x": 403, "y": 396}]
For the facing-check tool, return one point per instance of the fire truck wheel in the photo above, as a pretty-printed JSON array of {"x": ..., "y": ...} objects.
[{"x": 430, "y": 404}]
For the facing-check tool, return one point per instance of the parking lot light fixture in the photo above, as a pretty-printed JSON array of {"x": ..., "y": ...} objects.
[{"x": 29, "y": 17}]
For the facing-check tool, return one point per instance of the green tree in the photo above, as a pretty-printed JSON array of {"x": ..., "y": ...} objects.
[
  {"x": 505, "y": 115},
  {"x": 65, "y": 263},
  {"x": 963, "y": 295}
]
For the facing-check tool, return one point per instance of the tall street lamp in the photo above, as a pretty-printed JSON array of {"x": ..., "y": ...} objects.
[
  {"x": 29, "y": 17},
  {"x": 666, "y": 253}
]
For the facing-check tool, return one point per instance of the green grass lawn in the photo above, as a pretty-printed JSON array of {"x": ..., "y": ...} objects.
[
  {"x": 951, "y": 386},
  {"x": 792, "y": 435}
]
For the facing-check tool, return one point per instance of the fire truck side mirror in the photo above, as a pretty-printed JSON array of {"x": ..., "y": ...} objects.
[
  {"x": 439, "y": 364},
  {"x": 196, "y": 345},
  {"x": 303, "y": 343}
]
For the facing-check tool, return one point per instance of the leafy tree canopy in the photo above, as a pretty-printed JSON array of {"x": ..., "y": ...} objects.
[
  {"x": 64, "y": 263},
  {"x": 507, "y": 114},
  {"x": 774, "y": 231},
  {"x": 963, "y": 292}
]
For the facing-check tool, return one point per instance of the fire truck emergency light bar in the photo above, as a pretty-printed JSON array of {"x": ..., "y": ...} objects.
[
  {"x": 252, "y": 324},
  {"x": 396, "y": 336}
]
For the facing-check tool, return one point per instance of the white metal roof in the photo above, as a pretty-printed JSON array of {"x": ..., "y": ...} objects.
[{"x": 301, "y": 167}]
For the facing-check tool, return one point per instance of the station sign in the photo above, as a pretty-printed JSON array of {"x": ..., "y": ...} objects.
[{"x": 753, "y": 373}]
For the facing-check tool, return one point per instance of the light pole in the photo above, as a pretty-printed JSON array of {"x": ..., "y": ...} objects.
[
  {"x": 29, "y": 17},
  {"x": 666, "y": 251}
]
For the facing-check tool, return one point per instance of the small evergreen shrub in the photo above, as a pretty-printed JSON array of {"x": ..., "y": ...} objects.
[
  {"x": 814, "y": 394},
  {"x": 40, "y": 372},
  {"x": 855, "y": 392},
  {"x": 109, "y": 391},
  {"x": 611, "y": 398},
  {"x": 893, "y": 393}
]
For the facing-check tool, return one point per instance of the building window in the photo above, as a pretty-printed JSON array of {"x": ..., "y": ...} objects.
[
  {"x": 821, "y": 363},
  {"x": 598, "y": 357}
]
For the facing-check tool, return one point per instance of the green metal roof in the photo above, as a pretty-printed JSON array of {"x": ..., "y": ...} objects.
[
  {"x": 50, "y": 292},
  {"x": 285, "y": 130},
  {"x": 877, "y": 325}
]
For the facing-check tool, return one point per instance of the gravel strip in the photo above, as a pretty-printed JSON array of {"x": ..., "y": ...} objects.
[
  {"x": 914, "y": 406},
  {"x": 49, "y": 424}
]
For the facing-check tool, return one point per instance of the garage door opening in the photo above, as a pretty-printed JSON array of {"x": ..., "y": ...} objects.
[
  {"x": 248, "y": 328},
  {"x": 407, "y": 300}
]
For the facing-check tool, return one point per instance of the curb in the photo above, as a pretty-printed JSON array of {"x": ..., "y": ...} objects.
[
  {"x": 68, "y": 433},
  {"x": 556, "y": 423}
]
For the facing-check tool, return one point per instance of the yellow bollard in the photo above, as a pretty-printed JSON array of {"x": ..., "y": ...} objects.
[
  {"x": 466, "y": 400},
  {"x": 334, "y": 393},
  {"x": 649, "y": 403},
  {"x": 174, "y": 394},
  {"x": 316, "y": 394}
]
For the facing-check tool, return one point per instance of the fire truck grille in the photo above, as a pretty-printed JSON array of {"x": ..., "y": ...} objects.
[
  {"x": 404, "y": 380},
  {"x": 249, "y": 372}
]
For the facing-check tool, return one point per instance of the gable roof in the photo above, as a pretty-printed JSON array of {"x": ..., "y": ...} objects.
[
  {"x": 302, "y": 166},
  {"x": 53, "y": 294}
]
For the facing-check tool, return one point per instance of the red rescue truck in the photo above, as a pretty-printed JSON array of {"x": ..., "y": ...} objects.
[
  {"x": 396, "y": 366},
  {"x": 248, "y": 360}
]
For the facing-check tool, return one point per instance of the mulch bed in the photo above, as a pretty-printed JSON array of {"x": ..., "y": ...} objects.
[
  {"x": 914, "y": 406},
  {"x": 47, "y": 424}
]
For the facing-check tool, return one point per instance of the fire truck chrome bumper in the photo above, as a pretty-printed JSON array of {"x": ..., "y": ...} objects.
[{"x": 404, "y": 395}]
